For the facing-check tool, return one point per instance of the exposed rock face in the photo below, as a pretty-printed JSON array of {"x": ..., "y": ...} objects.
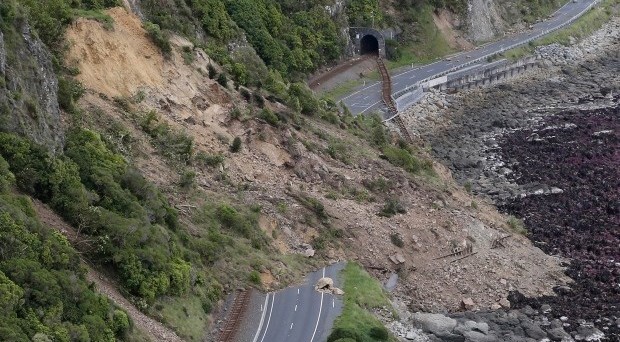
[
  {"x": 483, "y": 19},
  {"x": 29, "y": 88},
  {"x": 2, "y": 55}
]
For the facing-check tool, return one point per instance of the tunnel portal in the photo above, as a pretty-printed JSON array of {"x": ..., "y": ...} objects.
[{"x": 369, "y": 45}]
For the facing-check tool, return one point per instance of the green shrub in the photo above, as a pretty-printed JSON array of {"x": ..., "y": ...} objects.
[
  {"x": 269, "y": 116},
  {"x": 7, "y": 179},
  {"x": 120, "y": 322},
  {"x": 211, "y": 160},
  {"x": 254, "y": 277},
  {"x": 339, "y": 150},
  {"x": 379, "y": 185},
  {"x": 188, "y": 55},
  {"x": 342, "y": 333},
  {"x": 314, "y": 205},
  {"x": 222, "y": 79},
  {"x": 379, "y": 333},
  {"x": 173, "y": 144},
  {"x": 397, "y": 240},
  {"x": 69, "y": 92},
  {"x": 245, "y": 93},
  {"x": 121, "y": 216},
  {"x": 235, "y": 113},
  {"x": 308, "y": 104},
  {"x": 402, "y": 157},
  {"x": 516, "y": 225},
  {"x": 159, "y": 38},
  {"x": 187, "y": 179},
  {"x": 96, "y": 14},
  {"x": 212, "y": 72},
  {"x": 258, "y": 99},
  {"x": 391, "y": 208},
  {"x": 236, "y": 145}
]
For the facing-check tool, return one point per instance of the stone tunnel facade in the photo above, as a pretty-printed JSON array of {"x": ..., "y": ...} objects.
[{"x": 365, "y": 40}]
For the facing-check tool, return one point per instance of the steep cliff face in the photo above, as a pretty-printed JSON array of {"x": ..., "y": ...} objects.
[
  {"x": 488, "y": 19},
  {"x": 28, "y": 87},
  {"x": 484, "y": 20},
  {"x": 2, "y": 54}
]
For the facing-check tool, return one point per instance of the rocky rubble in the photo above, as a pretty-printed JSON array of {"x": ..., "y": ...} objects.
[
  {"x": 558, "y": 54},
  {"x": 522, "y": 325},
  {"x": 545, "y": 146}
]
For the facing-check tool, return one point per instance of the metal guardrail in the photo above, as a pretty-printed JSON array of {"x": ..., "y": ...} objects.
[{"x": 419, "y": 84}]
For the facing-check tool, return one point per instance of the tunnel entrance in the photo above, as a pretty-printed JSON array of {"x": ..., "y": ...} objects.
[{"x": 369, "y": 45}]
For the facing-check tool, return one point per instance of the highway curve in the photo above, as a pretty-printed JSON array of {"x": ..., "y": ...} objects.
[
  {"x": 368, "y": 99},
  {"x": 298, "y": 313}
]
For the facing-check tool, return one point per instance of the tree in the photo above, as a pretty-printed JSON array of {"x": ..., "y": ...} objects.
[{"x": 10, "y": 295}]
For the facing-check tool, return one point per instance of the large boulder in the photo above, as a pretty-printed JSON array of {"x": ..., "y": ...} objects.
[
  {"x": 437, "y": 324},
  {"x": 468, "y": 326},
  {"x": 324, "y": 284}
]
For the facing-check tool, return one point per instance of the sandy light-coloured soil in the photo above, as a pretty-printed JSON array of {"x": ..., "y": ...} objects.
[{"x": 445, "y": 22}]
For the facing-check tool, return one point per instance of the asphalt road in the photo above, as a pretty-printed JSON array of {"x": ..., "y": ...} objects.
[
  {"x": 300, "y": 314},
  {"x": 368, "y": 99}
]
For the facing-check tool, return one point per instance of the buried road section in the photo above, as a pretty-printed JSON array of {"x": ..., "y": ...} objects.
[{"x": 297, "y": 313}]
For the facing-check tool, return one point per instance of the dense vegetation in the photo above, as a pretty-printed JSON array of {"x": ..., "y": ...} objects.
[
  {"x": 43, "y": 292},
  {"x": 94, "y": 189},
  {"x": 50, "y": 17},
  {"x": 291, "y": 38},
  {"x": 125, "y": 222}
]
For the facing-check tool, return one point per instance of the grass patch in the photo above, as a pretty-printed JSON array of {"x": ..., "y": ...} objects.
[
  {"x": 516, "y": 225},
  {"x": 342, "y": 89},
  {"x": 362, "y": 293},
  {"x": 97, "y": 15},
  {"x": 185, "y": 314},
  {"x": 405, "y": 158}
]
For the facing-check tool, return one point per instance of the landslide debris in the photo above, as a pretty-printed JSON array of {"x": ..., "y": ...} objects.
[{"x": 313, "y": 182}]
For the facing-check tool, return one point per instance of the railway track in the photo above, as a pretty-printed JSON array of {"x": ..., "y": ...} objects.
[
  {"x": 234, "y": 316},
  {"x": 315, "y": 82},
  {"x": 386, "y": 93}
]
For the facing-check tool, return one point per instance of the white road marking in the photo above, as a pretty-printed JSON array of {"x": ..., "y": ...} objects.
[
  {"x": 291, "y": 328},
  {"x": 320, "y": 309},
  {"x": 295, "y": 307},
  {"x": 273, "y": 299},
  {"x": 297, "y": 291},
  {"x": 333, "y": 302},
  {"x": 262, "y": 317},
  {"x": 372, "y": 105}
]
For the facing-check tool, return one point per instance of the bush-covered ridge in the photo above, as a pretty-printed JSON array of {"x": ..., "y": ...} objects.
[
  {"x": 94, "y": 189},
  {"x": 43, "y": 292}
]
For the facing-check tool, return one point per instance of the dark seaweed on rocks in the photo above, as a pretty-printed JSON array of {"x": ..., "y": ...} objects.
[{"x": 579, "y": 153}]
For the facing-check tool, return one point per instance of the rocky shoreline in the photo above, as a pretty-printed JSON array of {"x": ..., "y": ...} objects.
[{"x": 545, "y": 148}]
